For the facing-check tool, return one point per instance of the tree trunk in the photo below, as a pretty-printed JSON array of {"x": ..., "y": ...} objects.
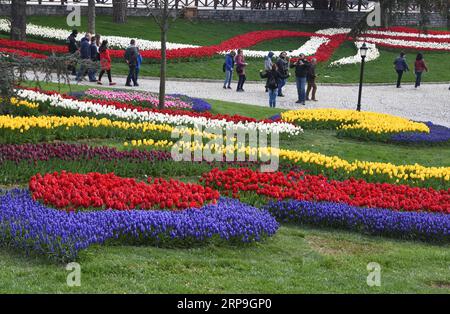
[
  {"x": 320, "y": 4},
  {"x": 448, "y": 14},
  {"x": 91, "y": 16},
  {"x": 163, "y": 71},
  {"x": 18, "y": 20},
  {"x": 385, "y": 6},
  {"x": 342, "y": 5},
  {"x": 120, "y": 11}
]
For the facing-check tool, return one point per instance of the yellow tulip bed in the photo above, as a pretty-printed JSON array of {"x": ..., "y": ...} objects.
[
  {"x": 17, "y": 129},
  {"x": 331, "y": 166},
  {"x": 351, "y": 123},
  {"x": 34, "y": 129},
  {"x": 25, "y": 103}
]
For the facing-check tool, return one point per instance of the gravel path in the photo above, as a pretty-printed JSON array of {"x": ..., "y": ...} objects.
[{"x": 431, "y": 102}]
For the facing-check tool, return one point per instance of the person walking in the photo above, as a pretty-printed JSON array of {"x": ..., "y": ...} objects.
[
  {"x": 138, "y": 65},
  {"x": 311, "y": 79},
  {"x": 301, "y": 71},
  {"x": 240, "y": 69},
  {"x": 401, "y": 66},
  {"x": 131, "y": 59},
  {"x": 228, "y": 69},
  {"x": 94, "y": 58},
  {"x": 283, "y": 69},
  {"x": 273, "y": 81},
  {"x": 419, "y": 67},
  {"x": 73, "y": 48},
  {"x": 85, "y": 54},
  {"x": 105, "y": 63},
  {"x": 268, "y": 64}
]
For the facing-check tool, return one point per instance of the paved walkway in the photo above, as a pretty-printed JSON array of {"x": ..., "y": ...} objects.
[{"x": 431, "y": 102}]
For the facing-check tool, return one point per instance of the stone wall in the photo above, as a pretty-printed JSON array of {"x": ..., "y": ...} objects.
[
  {"x": 412, "y": 19},
  {"x": 283, "y": 16},
  {"x": 313, "y": 17},
  {"x": 326, "y": 18}
]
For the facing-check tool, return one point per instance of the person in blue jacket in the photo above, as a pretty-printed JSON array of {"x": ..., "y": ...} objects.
[
  {"x": 228, "y": 69},
  {"x": 401, "y": 67},
  {"x": 85, "y": 54},
  {"x": 95, "y": 56},
  {"x": 138, "y": 66}
]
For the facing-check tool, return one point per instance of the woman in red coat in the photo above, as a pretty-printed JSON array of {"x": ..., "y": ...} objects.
[
  {"x": 419, "y": 67},
  {"x": 105, "y": 63}
]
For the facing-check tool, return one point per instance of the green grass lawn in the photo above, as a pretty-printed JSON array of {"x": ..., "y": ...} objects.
[
  {"x": 295, "y": 260},
  {"x": 209, "y": 33},
  {"x": 181, "y": 30}
]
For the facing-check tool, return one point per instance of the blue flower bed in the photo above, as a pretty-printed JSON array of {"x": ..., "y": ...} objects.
[
  {"x": 276, "y": 118},
  {"x": 34, "y": 228},
  {"x": 438, "y": 134},
  {"x": 198, "y": 105},
  {"x": 406, "y": 225}
]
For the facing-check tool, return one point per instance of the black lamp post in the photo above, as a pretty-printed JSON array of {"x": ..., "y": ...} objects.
[{"x": 363, "y": 52}]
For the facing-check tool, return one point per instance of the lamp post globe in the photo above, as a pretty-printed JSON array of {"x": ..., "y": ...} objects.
[{"x": 363, "y": 50}]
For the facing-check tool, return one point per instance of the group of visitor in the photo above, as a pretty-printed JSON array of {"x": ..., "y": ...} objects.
[
  {"x": 401, "y": 66},
  {"x": 93, "y": 49},
  {"x": 276, "y": 75}
]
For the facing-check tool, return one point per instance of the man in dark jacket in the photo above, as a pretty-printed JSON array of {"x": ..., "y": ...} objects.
[
  {"x": 73, "y": 48},
  {"x": 85, "y": 54},
  {"x": 401, "y": 67},
  {"x": 131, "y": 55},
  {"x": 72, "y": 41},
  {"x": 301, "y": 71},
  {"x": 283, "y": 69}
]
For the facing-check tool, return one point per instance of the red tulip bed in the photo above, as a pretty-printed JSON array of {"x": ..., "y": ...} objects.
[
  {"x": 72, "y": 191},
  {"x": 394, "y": 37},
  {"x": 243, "y": 41},
  {"x": 8, "y": 51},
  {"x": 300, "y": 186},
  {"x": 323, "y": 53}
]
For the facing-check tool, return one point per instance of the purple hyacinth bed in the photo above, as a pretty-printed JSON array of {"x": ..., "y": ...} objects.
[
  {"x": 438, "y": 135},
  {"x": 384, "y": 222},
  {"x": 29, "y": 226}
]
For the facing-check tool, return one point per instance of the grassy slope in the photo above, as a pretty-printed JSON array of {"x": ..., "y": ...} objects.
[
  {"x": 208, "y": 33},
  {"x": 296, "y": 260},
  {"x": 324, "y": 141}
]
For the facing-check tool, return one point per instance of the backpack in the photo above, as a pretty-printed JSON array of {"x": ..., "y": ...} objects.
[{"x": 272, "y": 82}]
